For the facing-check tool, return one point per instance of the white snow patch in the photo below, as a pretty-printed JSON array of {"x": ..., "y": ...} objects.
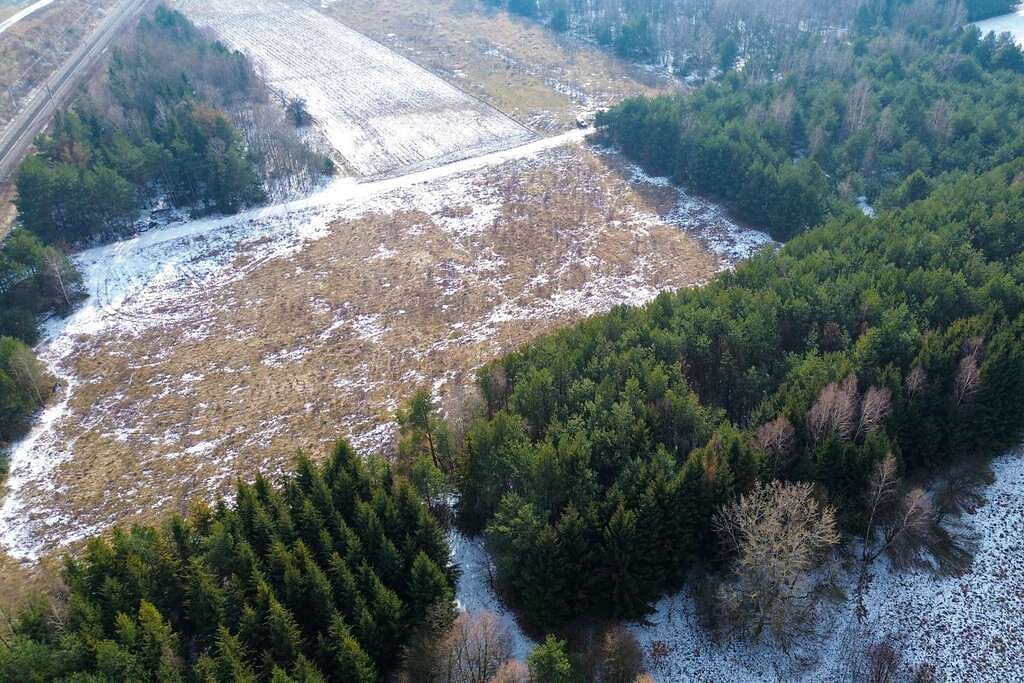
[
  {"x": 709, "y": 223},
  {"x": 475, "y": 592},
  {"x": 967, "y": 627}
]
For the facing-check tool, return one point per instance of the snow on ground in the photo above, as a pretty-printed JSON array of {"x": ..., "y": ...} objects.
[
  {"x": 968, "y": 627},
  {"x": 161, "y": 277},
  {"x": 474, "y": 592},
  {"x": 709, "y": 223},
  {"x": 380, "y": 111}
]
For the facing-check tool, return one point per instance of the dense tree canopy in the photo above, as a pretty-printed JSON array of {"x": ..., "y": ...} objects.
[
  {"x": 320, "y": 579},
  {"x": 147, "y": 131},
  {"x": 881, "y": 120},
  {"x": 607, "y": 447},
  {"x": 983, "y": 9}
]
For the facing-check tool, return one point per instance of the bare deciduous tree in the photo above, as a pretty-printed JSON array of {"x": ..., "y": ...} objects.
[
  {"x": 883, "y": 663},
  {"x": 474, "y": 649},
  {"x": 968, "y": 375},
  {"x": 512, "y": 671},
  {"x": 621, "y": 657},
  {"x": 777, "y": 533},
  {"x": 875, "y": 407},
  {"x": 916, "y": 381},
  {"x": 835, "y": 411},
  {"x": 897, "y": 522},
  {"x": 859, "y": 106},
  {"x": 777, "y": 439}
]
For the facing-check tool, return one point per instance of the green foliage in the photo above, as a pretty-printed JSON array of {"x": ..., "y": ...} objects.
[
  {"x": 787, "y": 152},
  {"x": 320, "y": 579},
  {"x": 605, "y": 448},
  {"x": 549, "y": 662},
  {"x": 983, "y": 9},
  {"x": 147, "y": 133}
]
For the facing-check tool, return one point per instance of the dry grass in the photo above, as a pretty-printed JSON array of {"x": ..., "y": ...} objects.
[
  {"x": 33, "y": 48},
  {"x": 329, "y": 341},
  {"x": 520, "y": 67}
]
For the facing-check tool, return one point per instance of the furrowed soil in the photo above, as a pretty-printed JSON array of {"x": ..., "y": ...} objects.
[{"x": 538, "y": 77}]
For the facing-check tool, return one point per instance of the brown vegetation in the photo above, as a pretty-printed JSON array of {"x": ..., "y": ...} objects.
[
  {"x": 342, "y": 332},
  {"x": 520, "y": 67}
]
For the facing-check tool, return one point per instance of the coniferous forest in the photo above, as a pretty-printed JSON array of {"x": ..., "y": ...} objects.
[
  {"x": 321, "y": 578},
  {"x": 876, "y": 118},
  {"x": 607, "y": 448}
]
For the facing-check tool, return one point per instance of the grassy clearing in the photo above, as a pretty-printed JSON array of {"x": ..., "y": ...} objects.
[
  {"x": 330, "y": 340},
  {"x": 527, "y": 71}
]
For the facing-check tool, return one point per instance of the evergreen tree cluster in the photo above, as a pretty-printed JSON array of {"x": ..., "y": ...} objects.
[
  {"x": 984, "y": 9},
  {"x": 155, "y": 127},
  {"x": 34, "y": 280},
  {"x": 320, "y": 579},
  {"x": 785, "y": 152},
  {"x": 606, "y": 447}
]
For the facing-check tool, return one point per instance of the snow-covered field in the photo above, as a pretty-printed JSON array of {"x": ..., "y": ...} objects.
[
  {"x": 968, "y": 628},
  {"x": 381, "y": 112}
]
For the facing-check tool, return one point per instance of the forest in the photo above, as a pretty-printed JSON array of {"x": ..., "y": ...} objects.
[
  {"x": 882, "y": 118},
  {"x": 700, "y": 39},
  {"x": 320, "y": 578},
  {"x": 606, "y": 450},
  {"x": 798, "y": 401},
  {"x": 159, "y": 129}
]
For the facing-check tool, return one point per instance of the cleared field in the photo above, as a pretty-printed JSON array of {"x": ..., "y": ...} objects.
[
  {"x": 215, "y": 349},
  {"x": 527, "y": 71},
  {"x": 381, "y": 112}
]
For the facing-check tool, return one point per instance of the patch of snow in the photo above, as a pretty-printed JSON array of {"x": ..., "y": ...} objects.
[
  {"x": 865, "y": 207},
  {"x": 475, "y": 592},
  {"x": 967, "y": 627},
  {"x": 285, "y": 357},
  {"x": 709, "y": 223}
]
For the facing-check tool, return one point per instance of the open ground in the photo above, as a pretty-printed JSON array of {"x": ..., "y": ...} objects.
[{"x": 543, "y": 80}]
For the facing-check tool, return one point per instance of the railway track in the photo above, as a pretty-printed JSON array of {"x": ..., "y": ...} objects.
[{"x": 16, "y": 138}]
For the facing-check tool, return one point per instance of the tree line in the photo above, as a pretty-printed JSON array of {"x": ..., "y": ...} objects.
[
  {"x": 321, "y": 578},
  {"x": 605, "y": 451},
  {"x": 35, "y": 279},
  {"x": 157, "y": 128},
  {"x": 892, "y": 116},
  {"x": 699, "y": 39}
]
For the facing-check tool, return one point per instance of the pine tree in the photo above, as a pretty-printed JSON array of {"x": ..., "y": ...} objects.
[
  {"x": 428, "y": 589},
  {"x": 348, "y": 662},
  {"x": 549, "y": 662}
]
